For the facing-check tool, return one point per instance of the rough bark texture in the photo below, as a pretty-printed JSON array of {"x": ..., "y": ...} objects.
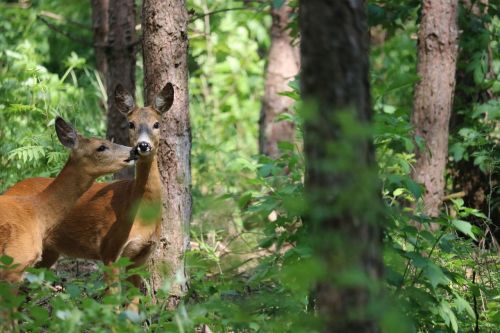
[
  {"x": 283, "y": 65},
  {"x": 165, "y": 47},
  {"x": 433, "y": 99},
  {"x": 341, "y": 183},
  {"x": 120, "y": 55},
  {"x": 100, "y": 34}
]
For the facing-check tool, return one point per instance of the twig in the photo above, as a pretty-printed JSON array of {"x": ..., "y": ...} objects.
[
  {"x": 64, "y": 33},
  {"x": 476, "y": 311},
  {"x": 460, "y": 194},
  {"x": 417, "y": 277},
  {"x": 62, "y": 19},
  {"x": 197, "y": 16},
  {"x": 84, "y": 41},
  {"x": 138, "y": 41}
]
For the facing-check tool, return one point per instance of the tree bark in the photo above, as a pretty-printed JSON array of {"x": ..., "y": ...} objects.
[
  {"x": 100, "y": 34},
  {"x": 433, "y": 98},
  {"x": 165, "y": 49},
  {"x": 120, "y": 58},
  {"x": 283, "y": 65},
  {"x": 341, "y": 181}
]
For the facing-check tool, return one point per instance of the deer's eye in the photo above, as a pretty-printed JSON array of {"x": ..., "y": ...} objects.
[
  {"x": 131, "y": 125},
  {"x": 102, "y": 148},
  {"x": 156, "y": 125}
]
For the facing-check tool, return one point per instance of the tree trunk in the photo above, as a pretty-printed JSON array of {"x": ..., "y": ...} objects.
[
  {"x": 120, "y": 56},
  {"x": 165, "y": 47},
  {"x": 283, "y": 65},
  {"x": 433, "y": 99},
  {"x": 100, "y": 33},
  {"x": 341, "y": 183}
]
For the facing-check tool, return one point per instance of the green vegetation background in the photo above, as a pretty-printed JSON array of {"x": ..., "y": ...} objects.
[{"x": 245, "y": 274}]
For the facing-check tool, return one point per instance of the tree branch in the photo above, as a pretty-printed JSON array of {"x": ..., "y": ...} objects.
[
  {"x": 64, "y": 33},
  {"x": 197, "y": 16},
  {"x": 80, "y": 40},
  {"x": 62, "y": 19},
  {"x": 454, "y": 196}
]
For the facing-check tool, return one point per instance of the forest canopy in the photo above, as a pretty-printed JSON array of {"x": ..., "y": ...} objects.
[{"x": 324, "y": 166}]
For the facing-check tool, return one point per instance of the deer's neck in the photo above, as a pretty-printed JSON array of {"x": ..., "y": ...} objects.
[
  {"x": 147, "y": 180},
  {"x": 61, "y": 195}
]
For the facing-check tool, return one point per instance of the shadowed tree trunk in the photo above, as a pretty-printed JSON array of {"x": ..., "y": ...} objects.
[
  {"x": 113, "y": 25},
  {"x": 120, "y": 60},
  {"x": 100, "y": 34},
  {"x": 433, "y": 99},
  {"x": 165, "y": 47},
  {"x": 283, "y": 65},
  {"x": 341, "y": 183}
]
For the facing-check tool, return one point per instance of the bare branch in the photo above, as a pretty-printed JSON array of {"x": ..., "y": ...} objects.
[
  {"x": 197, "y": 16},
  {"x": 62, "y": 19},
  {"x": 63, "y": 32}
]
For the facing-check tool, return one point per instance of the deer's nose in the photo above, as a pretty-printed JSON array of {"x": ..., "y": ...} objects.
[{"x": 143, "y": 147}]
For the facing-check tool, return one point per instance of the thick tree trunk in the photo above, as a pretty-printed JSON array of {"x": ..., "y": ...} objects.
[
  {"x": 283, "y": 65},
  {"x": 341, "y": 181},
  {"x": 120, "y": 56},
  {"x": 433, "y": 99},
  {"x": 100, "y": 34},
  {"x": 165, "y": 47}
]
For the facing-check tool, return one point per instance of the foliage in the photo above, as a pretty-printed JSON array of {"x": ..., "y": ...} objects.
[
  {"x": 250, "y": 268},
  {"x": 31, "y": 97}
]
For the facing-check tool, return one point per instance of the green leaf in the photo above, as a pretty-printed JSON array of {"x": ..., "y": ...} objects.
[
  {"x": 416, "y": 189},
  {"x": 277, "y": 4},
  {"x": 462, "y": 305},
  {"x": 418, "y": 260},
  {"x": 6, "y": 260},
  {"x": 457, "y": 150},
  {"x": 448, "y": 316},
  {"x": 420, "y": 142},
  {"x": 244, "y": 200},
  {"x": 39, "y": 314},
  {"x": 435, "y": 275},
  {"x": 389, "y": 109},
  {"x": 464, "y": 227},
  {"x": 397, "y": 192}
]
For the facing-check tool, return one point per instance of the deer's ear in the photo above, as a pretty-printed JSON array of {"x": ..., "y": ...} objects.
[
  {"x": 164, "y": 100},
  {"x": 66, "y": 134},
  {"x": 124, "y": 100}
]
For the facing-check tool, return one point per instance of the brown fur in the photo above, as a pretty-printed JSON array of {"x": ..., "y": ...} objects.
[
  {"x": 26, "y": 220},
  {"x": 104, "y": 224}
]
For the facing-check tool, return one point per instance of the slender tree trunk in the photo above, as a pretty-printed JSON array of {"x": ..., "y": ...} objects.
[
  {"x": 433, "y": 99},
  {"x": 100, "y": 33},
  {"x": 283, "y": 65},
  {"x": 165, "y": 47},
  {"x": 120, "y": 58},
  {"x": 341, "y": 181}
]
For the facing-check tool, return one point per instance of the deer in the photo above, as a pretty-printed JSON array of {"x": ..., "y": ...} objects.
[
  {"x": 26, "y": 220},
  {"x": 107, "y": 223}
]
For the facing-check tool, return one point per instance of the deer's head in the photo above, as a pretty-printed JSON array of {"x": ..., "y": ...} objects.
[
  {"x": 144, "y": 123},
  {"x": 93, "y": 156}
]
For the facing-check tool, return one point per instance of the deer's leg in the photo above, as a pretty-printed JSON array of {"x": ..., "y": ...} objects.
[
  {"x": 137, "y": 261},
  {"x": 49, "y": 258}
]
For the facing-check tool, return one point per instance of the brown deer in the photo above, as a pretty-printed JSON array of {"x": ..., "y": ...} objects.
[
  {"x": 26, "y": 220},
  {"x": 120, "y": 218}
]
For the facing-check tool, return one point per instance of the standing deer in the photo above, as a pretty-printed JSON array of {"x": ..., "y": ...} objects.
[
  {"x": 26, "y": 220},
  {"x": 120, "y": 218}
]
